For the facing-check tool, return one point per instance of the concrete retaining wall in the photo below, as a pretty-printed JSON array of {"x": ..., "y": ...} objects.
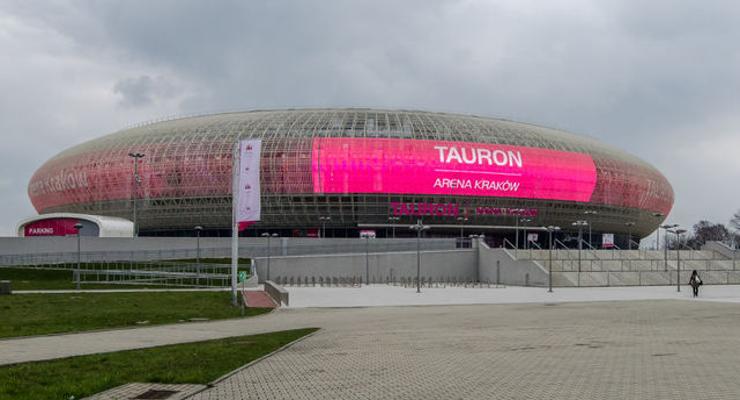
[
  {"x": 278, "y": 293},
  {"x": 498, "y": 265},
  {"x": 48, "y": 250},
  {"x": 642, "y": 278},
  {"x": 440, "y": 266}
]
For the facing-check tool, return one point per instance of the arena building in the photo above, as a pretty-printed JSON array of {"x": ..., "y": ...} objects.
[{"x": 353, "y": 170}]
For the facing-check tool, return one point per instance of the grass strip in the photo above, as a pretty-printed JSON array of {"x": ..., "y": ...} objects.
[
  {"x": 37, "y": 314},
  {"x": 198, "y": 363},
  {"x": 46, "y": 279}
]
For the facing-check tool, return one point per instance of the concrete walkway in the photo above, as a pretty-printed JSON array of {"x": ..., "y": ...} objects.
[
  {"x": 56, "y": 346},
  {"x": 384, "y": 295},
  {"x": 569, "y": 351}
]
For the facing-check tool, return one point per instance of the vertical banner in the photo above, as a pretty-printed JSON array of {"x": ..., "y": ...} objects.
[
  {"x": 248, "y": 204},
  {"x": 607, "y": 241}
]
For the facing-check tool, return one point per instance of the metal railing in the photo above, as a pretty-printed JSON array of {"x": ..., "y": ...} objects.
[
  {"x": 160, "y": 274},
  {"x": 257, "y": 248},
  {"x": 187, "y": 274}
]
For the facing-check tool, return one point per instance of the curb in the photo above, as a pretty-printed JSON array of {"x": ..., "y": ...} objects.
[{"x": 212, "y": 384}]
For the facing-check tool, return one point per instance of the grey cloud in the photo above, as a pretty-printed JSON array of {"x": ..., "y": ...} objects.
[
  {"x": 143, "y": 90},
  {"x": 645, "y": 76}
]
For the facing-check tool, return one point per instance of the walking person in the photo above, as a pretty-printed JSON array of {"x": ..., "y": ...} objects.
[{"x": 695, "y": 282}]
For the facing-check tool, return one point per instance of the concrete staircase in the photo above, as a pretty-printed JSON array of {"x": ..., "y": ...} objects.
[{"x": 634, "y": 267}]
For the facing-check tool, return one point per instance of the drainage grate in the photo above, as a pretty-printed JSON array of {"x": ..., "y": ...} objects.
[{"x": 156, "y": 394}]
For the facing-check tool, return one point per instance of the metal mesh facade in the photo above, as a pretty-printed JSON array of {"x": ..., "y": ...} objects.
[{"x": 185, "y": 176}]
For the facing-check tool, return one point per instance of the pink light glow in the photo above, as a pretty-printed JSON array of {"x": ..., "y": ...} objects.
[{"x": 404, "y": 166}]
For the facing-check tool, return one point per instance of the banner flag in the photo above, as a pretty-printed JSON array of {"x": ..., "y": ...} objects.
[
  {"x": 607, "y": 241},
  {"x": 247, "y": 196}
]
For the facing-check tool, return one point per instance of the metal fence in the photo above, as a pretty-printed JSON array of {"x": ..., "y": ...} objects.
[
  {"x": 257, "y": 248},
  {"x": 157, "y": 274},
  {"x": 180, "y": 267},
  {"x": 183, "y": 274}
]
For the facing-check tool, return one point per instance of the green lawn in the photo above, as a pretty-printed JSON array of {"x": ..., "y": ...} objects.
[
  {"x": 35, "y": 314},
  {"x": 45, "y": 279},
  {"x": 77, "y": 377}
]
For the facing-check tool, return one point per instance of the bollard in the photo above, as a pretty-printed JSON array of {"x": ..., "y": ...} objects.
[
  {"x": 526, "y": 279},
  {"x": 5, "y": 288},
  {"x": 498, "y": 272}
]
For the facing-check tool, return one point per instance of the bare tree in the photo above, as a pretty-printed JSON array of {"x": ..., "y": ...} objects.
[
  {"x": 735, "y": 224},
  {"x": 705, "y": 231},
  {"x": 735, "y": 220}
]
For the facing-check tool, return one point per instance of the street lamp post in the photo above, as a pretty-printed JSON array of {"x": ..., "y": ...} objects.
[
  {"x": 418, "y": 227},
  {"x": 734, "y": 248},
  {"x": 667, "y": 227},
  {"x": 516, "y": 237},
  {"x": 629, "y": 226},
  {"x": 324, "y": 220},
  {"x": 269, "y": 251},
  {"x": 137, "y": 180},
  {"x": 657, "y": 236},
  {"x": 197, "y": 229},
  {"x": 525, "y": 221},
  {"x": 393, "y": 221},
  {"x": 588, "y": 213},
  {"x": 77, "y": 227},
  {"x": 678, "y": 232},
  {"x": 550, "y": 230},
  {"x": 580, "y": 224},
  {"x": 462, "y": 221}
]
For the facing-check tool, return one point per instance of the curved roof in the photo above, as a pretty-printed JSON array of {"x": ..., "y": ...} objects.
[
  {"x": 188, "y": 160},
  {"x": 353, "y": 122}
]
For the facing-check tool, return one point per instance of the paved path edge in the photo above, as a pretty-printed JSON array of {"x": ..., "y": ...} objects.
[
  {"x": 229, "y": 374},
  {"x": 128, "y": 328}
]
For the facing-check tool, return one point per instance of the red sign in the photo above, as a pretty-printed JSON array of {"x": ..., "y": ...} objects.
[
  {"x": 506, "y": 211},
  {"x": 421, "y": 209},
  {"x": 51, "y": 227},
  {"x": 403, "y": 166}
]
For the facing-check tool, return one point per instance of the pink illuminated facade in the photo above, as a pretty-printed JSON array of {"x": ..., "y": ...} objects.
[{"x": 356, "y": 166}]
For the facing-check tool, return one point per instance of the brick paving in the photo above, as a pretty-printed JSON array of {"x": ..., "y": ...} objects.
[
  {"x": 258, "y": 298},
  {"x": 605, "y": 350},
  {"x": 139, "y": 390}
]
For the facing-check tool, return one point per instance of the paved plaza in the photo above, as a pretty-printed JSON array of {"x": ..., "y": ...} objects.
[
  {"x": 679, "y": 348},
  {"x": 385, "y": 295},
  {"x": 607, "y": 350}
]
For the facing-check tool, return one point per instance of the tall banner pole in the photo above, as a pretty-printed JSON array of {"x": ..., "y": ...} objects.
[
  {"x": 234, "y": 221},
  {"x": 246, "y": 203}
]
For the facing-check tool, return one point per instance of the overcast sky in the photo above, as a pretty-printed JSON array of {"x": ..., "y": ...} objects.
[{"x": 659, "y": 79}]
